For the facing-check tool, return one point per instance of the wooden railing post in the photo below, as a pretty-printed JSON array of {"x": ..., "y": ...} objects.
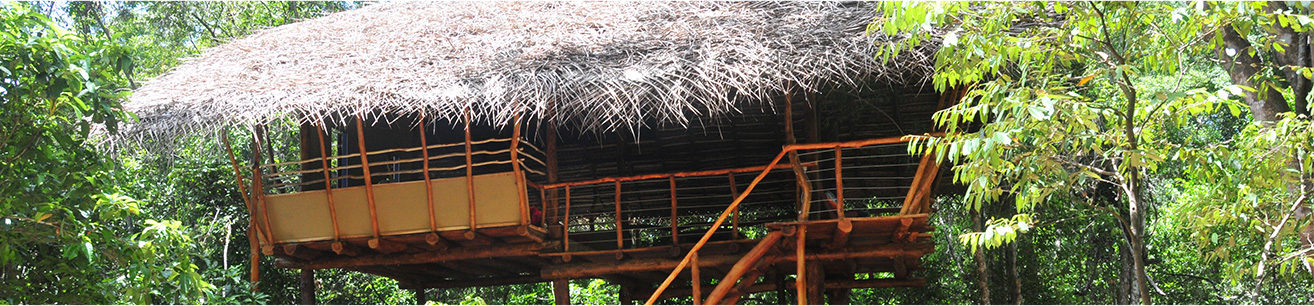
[
  {"x": 469, "y": 177},
  {"x": 565, "y": 223},
  {"x": 258, "y": 194},
  {"x": 369, "y": 181},
  {"x": 675, "y": 221},
  {"x": 839, "y": 183},
  {"x": 519, "y": 175},
  {"x": 432, "y": 238},
  {"x": 734, "y": 192},
  {"x": 328, "y": 188},
  {"x": 246, "y": 199},
  {"x": 620, "y": 235}
]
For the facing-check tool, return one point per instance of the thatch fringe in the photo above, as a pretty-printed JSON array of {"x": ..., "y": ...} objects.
[{"x": 600, "y": 66}]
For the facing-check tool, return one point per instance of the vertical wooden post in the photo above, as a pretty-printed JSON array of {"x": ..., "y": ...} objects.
[
  {"x": 550, "y": 211},
  {"x": 734, "y": 192},
  {"x": 696, "y": 279},
  {"x": 328, "y": 182},
  {"x": 620, "y": 236},
  {"x": 250, "y": 229},
  {"x": 432, "y": 238},
  {"x": 800, "y": 278},
  {"x": 307, "y": 284},
  {"x": 469, "y": 176},
  {"x": 675, "y": 221},
  {"x": 428, "y": 181},
  {"x": 258, "y": 195},
  {"x": 565, "y": 222},
  {"x": 816, "y": 281},
  {"x": 561, "y": 290},
  {"x": 420, "y": 297},
  {"x": 519, "y": 175},
  {"x": 369, "y": 180},
  {"x": 839, "y": 183}
]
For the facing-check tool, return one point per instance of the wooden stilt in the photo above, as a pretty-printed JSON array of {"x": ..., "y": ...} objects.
[
  {"x": 420, "y": 297},
  {"x": 816, "y": 283},
  {"x": 307, "y": 284},
  {"x": 561, "y": 291},
  {"x": 801, "y": 275},
  {"x": 840, "y": 296}
]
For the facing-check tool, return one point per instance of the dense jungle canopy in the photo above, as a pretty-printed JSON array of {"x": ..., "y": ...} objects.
[{"x": 1111, "y": 153}]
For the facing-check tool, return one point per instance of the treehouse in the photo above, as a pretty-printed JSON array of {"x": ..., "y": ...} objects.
[{"x": 700, "y": 150}]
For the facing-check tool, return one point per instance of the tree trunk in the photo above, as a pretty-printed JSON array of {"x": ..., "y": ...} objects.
[
  {"x": 1012, "y": 265},
  {"x": 1242, "y": 66},
  {"x": 1135, "y": 239},
  {"x": 982, "y": 273}
]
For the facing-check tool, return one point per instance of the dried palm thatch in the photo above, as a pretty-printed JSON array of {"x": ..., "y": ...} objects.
[{"x": 598, "y": 65}]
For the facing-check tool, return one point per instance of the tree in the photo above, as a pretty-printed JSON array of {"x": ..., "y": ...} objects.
[{"x": 1064, "y": 101}]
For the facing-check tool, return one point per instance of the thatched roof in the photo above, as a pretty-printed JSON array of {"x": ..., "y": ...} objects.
[{"x": 597, "y": 65}]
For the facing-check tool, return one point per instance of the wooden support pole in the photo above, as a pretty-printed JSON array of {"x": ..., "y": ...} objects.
[
  {"x": 258, "y": 194},
  {"x": 420, "y": 297},
  {"x": 469, "y": 172},
  {"x": 561, "y": 291},
  {"x": 565, "y": 223},
  {"x": 251, "y": 227},
  {"x": 428, "y": 184},
  {"x": 521, "y": 190},
  {"x": 734, "y": 192},
  {"x": 550, "y": 212},
  {"x": 816, "y": 283},
  {"x": 328, "y": 182},
  {"x": 696, "y": 279},
  {"x": 839, "y": 183},
  {"x": 307, "y": 284},
  {"x": 909, "y": 204},
  {"x": 369, "y": 180},
  {"x": 800, "y": 276},
  {"x": 675, "y": 221},
  {"x": 620, "y": 235}
]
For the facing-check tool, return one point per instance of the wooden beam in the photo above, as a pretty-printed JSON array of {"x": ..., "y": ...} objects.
[
  {"x": 843, "y": 228},
  {"x": 830, "y": 285},
  {"x": 508, "y": 250},
  {"x": 303, "y": 253},
  {"x": 476, "y": 282},
  {"x": 590, "y": 270}
]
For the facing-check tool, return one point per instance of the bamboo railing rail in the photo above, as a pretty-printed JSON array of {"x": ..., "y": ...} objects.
[{"x": 791, "y": 148}]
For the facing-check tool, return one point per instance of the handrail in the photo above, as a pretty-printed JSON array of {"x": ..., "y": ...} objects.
[{"x": 774, "y": 162}]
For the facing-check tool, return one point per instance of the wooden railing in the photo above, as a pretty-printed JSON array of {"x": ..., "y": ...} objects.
[
  {"x": 918, "y": 186},
  {"x": 327, "y": 173}
]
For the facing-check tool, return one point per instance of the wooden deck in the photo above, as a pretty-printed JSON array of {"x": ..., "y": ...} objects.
[{"x": 512, "y": 255}]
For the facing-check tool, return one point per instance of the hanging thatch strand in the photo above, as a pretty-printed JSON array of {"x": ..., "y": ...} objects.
[{"x": 599, "y": 65}]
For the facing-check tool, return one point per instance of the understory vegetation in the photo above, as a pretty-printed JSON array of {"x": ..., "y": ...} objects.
[{"x": 1110, "y": 153}]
